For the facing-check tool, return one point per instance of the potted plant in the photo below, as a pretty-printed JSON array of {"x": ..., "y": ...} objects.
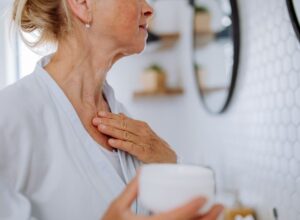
[
  {"x": 202, "y": 19},
  {"x": 154, "y": 79}
]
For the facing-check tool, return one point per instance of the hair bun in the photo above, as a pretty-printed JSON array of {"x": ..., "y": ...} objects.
[{"x": 50, "y": 18}]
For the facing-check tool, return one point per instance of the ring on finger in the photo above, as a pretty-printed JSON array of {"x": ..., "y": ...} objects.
[
  {"x": 124, "y": 124},
  {"x": 126, "y": 135}
]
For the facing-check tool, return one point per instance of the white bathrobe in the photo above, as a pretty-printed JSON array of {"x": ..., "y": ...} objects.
[{"x": 50, "y": 167}]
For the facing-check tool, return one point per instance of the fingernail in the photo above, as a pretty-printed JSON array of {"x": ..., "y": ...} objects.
[
  {"x": 111, "y": 141},
  {"x": 102, "y": 126},
  {"x": 102, "y": 113},
  {"x": 96, "y": 121}
]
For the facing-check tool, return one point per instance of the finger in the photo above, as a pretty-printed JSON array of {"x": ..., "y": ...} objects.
[
  {"x": 129, "y": 195},
  {"x": 111, "y": 115},
  {"x": 141, "y": 127},
  {"x": 118, "y": 134},
  {"x": 122, "y": 117},
  {"x": 122, "y": 114},
  {"x": 129, "y": 147},
  {"x": 125, "y": 124},
  {"x": 213, "y": 214},
  {"x": 187, "y": 211}
]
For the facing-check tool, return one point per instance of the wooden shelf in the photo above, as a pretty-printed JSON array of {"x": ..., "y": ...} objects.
[
  {"x": 166, "y": 92},
  {"x": 172, "y": 37},
  {"x": 166, "y": 41},
  {"x": 209, "y": 90}
]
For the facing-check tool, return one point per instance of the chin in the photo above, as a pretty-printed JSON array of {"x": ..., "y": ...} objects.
[
  {"x": 141, "y": 46},
  {"x": 141, "y": 49},
  {"x": 136, "y": 49}
]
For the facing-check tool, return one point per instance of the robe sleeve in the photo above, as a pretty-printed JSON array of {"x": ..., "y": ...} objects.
[{"x": 13, "y": 205}]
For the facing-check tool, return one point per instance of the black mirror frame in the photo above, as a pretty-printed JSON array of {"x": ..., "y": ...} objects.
[
  {"x": 293, "y": 17},
  {"x": 236, "y": 56}
]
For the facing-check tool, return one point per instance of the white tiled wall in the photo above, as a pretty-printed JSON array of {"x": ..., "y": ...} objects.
[{"x": 257, "y": 150}]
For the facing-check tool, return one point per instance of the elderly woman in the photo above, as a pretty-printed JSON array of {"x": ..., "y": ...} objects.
[{"x": 67, "y": 147}]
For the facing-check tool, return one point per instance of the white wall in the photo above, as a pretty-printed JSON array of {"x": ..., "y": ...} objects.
[
  {"x": 255, "y": 146},
  {"x": 2, "y": 54},
  {"x": 7, "y": 46}
]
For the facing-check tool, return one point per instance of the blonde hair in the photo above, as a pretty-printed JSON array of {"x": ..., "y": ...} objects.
[{"x": 49, "y": 18}]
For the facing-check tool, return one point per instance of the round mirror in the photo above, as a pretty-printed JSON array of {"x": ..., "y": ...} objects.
[
  {"x": 294, "y": 11},
  {"x": 216, "y": 51}
]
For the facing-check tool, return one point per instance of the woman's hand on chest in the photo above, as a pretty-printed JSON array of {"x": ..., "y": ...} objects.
[{"x": 134, "y": 137}]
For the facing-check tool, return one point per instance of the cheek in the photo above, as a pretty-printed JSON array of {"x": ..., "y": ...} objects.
[
  {"x": 119, "y": 20},
  {"x": 128, "y": 18}
]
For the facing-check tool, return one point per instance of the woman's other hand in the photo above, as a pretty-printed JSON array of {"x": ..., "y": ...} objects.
[
  {"x": 120, "y": 209},
  {"x": 134, "y": 137}
]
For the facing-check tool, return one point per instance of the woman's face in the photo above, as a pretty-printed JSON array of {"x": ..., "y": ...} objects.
[{"x": 122, "y": 23}]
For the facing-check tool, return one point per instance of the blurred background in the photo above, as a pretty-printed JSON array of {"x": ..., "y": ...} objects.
[{"x": 219, "y": 80}]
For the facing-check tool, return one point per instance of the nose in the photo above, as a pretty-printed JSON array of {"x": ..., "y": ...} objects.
[{"x": 147, "y": 10}]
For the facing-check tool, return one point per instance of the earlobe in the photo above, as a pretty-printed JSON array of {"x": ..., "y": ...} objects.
[{"x": 81, "y": 9}]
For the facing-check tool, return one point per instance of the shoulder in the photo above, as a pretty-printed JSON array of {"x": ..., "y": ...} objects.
[
  {"x": 18, "y": 97},
  {"x": 26, "y": 93},
  {"x": 20, "y": 104}
]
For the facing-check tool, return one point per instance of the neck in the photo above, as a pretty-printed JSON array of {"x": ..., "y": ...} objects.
[{"x": 81, "y": 72}]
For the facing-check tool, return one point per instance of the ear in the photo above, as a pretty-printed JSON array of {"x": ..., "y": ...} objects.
[{"x": 82, "y": 9}]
